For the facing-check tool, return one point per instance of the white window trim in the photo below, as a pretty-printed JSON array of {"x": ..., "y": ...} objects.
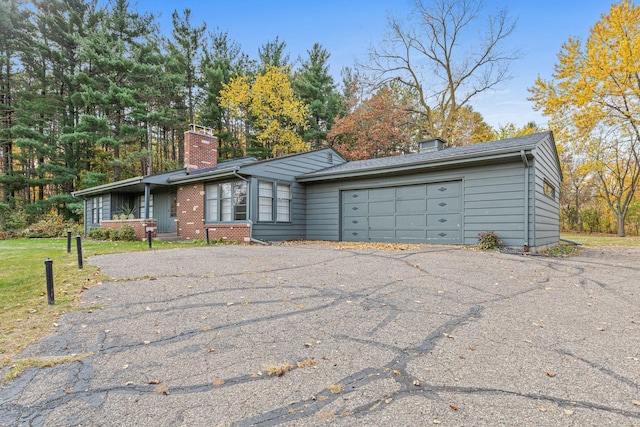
[
  {"x": 208, "y": 200},
  {"x": 275, "y": 214}
]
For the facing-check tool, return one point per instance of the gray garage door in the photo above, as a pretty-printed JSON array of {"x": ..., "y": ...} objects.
[{"x": 425, "y": 213}]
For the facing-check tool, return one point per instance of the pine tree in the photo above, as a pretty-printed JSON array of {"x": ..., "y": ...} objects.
[
  {"x": 314, "y": 85},
  {"x": 14, "y": 23}
]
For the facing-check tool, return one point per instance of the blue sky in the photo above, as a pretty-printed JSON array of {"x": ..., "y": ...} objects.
[{"x": 347, "y": 28}]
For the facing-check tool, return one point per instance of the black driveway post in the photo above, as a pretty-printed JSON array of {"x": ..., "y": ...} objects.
[
  {"x": 48, "y": 268},
  {"x": 68, "y": 242},
  {"x": 79, "y": 246}
]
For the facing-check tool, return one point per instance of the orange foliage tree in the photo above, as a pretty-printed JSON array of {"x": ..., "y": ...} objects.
[{"x": 379, "y": 126}]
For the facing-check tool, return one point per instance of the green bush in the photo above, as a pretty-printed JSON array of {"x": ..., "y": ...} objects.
[
  {"x": 13, "y": 220},
  {"x": 53, "y": 226},
  {"x": 125, "y": 234},
  {"x": 488, "y": 240}
]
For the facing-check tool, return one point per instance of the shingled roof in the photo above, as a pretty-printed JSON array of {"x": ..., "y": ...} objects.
[{"x": 432, "y": 158}]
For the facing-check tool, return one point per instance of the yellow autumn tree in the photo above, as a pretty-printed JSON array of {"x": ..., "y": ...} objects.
[
  {"x": 269, "y": 103},
  {"x": 594, "y": 98}
]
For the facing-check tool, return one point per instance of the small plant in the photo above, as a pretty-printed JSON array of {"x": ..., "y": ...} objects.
[
  {"x": 488, "y": 240},
  {"x": 125, "y": 212}
]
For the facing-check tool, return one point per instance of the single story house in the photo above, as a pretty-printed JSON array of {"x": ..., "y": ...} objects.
[{"x": 438, "y": 195}]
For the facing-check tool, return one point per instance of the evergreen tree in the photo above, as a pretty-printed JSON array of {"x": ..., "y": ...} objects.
[
  {"x": 113, "y": 50},
  {"x": 223, "y": 60},
  {"x": 314, "y": 85},
  {"x": 14, "y": 23},
  {"x": 272, "y": 54},
  {"x": 186, "y": 49}
]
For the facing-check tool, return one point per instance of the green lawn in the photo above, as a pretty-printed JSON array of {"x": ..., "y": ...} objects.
[
  {"x": 601, "y": 239},
  {"x": 24, "y": 313}
]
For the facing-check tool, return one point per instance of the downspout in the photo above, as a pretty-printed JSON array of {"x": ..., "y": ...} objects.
[
  {"x": 147, "y": 196},
  {"x": 251, "y": 238},
  {"x": 525, "y": 161},
  {"x": 86, "y": 226}
]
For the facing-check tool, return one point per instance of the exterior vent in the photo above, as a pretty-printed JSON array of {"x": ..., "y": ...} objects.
[{"x": 432, "y": 144}]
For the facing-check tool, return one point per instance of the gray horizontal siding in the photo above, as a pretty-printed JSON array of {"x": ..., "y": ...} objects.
[
  {"x": 546, "y": 209},
  {"x": 284, "y": 170},
  {"x": 492, "y": 199}
]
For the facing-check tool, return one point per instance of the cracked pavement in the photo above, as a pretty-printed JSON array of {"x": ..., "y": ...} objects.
[{"x": 426, "y": 335}]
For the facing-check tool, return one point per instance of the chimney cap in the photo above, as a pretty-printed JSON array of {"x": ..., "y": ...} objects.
[
  {"x": 201, "y": 129},
  {"x": 431, "y": 144}
]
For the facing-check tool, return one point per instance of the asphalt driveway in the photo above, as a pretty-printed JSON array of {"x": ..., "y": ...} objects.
[{"x": 318, "y": 335}]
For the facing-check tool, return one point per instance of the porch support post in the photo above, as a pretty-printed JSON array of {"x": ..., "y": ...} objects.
[{"x": 147, "y": 196}]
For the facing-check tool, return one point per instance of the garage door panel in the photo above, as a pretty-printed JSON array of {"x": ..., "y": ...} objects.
[
  {"x": 411, "y": 222},
  {"x": 383, "y": 207},
  {"x": 411, "y": 192},
  {"x": 355, "y": 209},
  {"x": 356, "y": 236},
  {"x": 451, "y": 237},
  {"x": 382, "y": 222},
  {"x": 382, "y": 194},
  {"x": 411, "y": 236},
  {"x": 356, "y": 196},
  {"x": 444, "y": 189},
  {"x": 443, "y": 221},
  {"x": 411, "y": 206},
  {"x": 449, "y": 204},
  {"x": 356, "y": 222}
]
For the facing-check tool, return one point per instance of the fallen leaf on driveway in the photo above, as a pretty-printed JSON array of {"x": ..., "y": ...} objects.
[
  {"x": 550, "y": 374},
  {"x": 636, "y": 402},
  {"x": 218, "y": 382},
  {"x": 162, "y": 389}
]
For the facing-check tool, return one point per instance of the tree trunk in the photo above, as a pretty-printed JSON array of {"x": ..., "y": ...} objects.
[{"x": 620, "y": 219}]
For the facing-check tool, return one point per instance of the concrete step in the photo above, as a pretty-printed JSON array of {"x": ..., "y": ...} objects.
[{"x": 168, "y": 237}]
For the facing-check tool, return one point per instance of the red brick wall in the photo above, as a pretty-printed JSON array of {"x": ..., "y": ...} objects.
[
  {"x": 200, "y": 150},
  {"x": 190, "y": 204},
  {"x": 190, "y": 224},
  {"x": 232, "y": 232},
  {"x": 139, "y": 225}
]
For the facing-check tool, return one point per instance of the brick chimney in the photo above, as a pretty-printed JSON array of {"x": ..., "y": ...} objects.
[{"x": 200, "y": 148}]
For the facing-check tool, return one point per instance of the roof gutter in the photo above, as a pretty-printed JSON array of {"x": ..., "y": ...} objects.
[
  {"x": 409, "y": 167},
  {"x": 203, "y": 176},
  {"x": 105, "y": 187}
]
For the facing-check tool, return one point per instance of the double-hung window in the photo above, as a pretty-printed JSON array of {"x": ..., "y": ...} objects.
[
  {"x": 143, "y": 206},
  {"x": 283, "y": 205},
  {"x": 96, "y": 209},
  {"x": 265, "y": 201},
  {"x": 226, "y": 202},
  {"x": 274, "y": 202}
]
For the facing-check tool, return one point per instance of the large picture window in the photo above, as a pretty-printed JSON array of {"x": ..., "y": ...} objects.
[
  {"x": 274, "y": 202},
  {"x": 226, "y": 202}
]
